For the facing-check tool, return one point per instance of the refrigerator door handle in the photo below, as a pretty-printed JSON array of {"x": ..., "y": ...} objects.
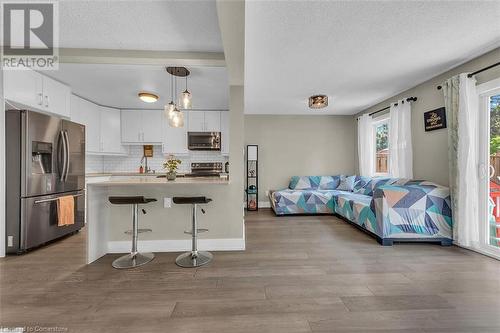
[
  {"x": 55, "y": 199},
  {"x": 66, "y": 139},
  {"x": 61, "y": 155}
]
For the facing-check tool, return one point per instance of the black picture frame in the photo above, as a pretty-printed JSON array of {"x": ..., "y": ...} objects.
[{"x": 435, "y": 119}]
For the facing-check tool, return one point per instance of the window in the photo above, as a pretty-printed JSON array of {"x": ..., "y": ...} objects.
[{"x": 381, "y": 142}]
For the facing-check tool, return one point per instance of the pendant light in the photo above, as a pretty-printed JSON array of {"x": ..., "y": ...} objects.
[
  {"x": 169, "y": 108},
  {"x": 176, "y": 117},
  {"x": 186, "y": 97}
]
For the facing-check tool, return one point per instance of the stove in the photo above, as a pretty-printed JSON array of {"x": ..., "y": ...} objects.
[{"x": 205, "y": 169}]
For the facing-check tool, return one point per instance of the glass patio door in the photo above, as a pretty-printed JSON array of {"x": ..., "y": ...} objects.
[{"x": 489, "y": 132}]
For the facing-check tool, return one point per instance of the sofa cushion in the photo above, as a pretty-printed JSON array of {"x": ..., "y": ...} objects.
[
  {"x": 360, "y": 182},
  {"x": 359, "y": 209},
  {"x": 314, "y": 182},
  {"x": 303, "y": 201},
  {"x": 374, "y": 183},
  {"x": 346, "y": 183}
]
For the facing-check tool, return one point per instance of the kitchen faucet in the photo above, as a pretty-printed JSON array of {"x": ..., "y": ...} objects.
[{"x": 146, "y": 168}]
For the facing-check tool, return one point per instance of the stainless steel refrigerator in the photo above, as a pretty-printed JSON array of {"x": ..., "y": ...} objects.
[{"x": 45, "y": 159}]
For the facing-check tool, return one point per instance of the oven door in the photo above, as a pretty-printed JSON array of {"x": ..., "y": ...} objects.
[
  {"x": 204, "y": 140},
  {"x": 39, "y": 219}
]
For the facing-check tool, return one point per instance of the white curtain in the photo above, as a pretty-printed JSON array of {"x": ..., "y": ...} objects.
[
  {"x": 400, "y": 144},
  {"x": 366, "y": 152},
  {"x": 462, "y": 106}
]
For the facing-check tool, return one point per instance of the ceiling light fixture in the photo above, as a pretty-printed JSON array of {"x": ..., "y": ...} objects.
[
  {"x": 174, "y": 115},
  {"x": 148, "y": 97},
  {"x": 318, "y": 101}
]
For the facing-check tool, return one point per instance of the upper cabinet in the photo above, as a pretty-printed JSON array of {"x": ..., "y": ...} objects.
[
  {"x": 224, "y": 126},
  {"x": 142, "y": 127},
  {"x": 37, "y": 92},
  {"x": 175, "y": 140},
  {"x": 204, "y": 121},
  {"x": 102, "y": 127}
]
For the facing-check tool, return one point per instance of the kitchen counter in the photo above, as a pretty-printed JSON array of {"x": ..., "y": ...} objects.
[
  {"x": 162, "y": 181},
  {"x": 122, "y": 174},
  {"x": 106, "y": 222}
]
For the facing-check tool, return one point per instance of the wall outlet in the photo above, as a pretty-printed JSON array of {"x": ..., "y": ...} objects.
[
  {"x": 267, "y": 193},
  {"x": 167, "y": 202}
]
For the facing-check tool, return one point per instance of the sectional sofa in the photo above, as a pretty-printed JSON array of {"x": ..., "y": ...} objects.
[{"x": 390, "y": 209}]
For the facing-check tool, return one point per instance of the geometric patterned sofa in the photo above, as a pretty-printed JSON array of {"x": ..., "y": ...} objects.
[{"x": 389, "y": 209}]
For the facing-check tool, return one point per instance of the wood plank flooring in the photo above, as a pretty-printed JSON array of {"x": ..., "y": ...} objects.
[{"x": 298, "y": 274}]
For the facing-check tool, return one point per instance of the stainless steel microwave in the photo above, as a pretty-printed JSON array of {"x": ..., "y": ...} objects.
[{"x": 204, "y": 140}]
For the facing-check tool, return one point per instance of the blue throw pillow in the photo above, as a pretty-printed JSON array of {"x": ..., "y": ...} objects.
[{"x": 346, "y": 183}]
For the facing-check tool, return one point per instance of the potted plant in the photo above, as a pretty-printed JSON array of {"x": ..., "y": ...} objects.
[{"x": 171, "y": 165}]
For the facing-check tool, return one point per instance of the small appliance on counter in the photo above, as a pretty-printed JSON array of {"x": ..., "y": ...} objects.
[
  {"x": 45, "y": 165},
  {"x": 205, "y": 169}
]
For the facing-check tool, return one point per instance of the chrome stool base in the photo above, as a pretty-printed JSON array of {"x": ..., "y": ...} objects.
[
  {"x": 194, "y": 259},
  {"x": 132, "y": 261}
]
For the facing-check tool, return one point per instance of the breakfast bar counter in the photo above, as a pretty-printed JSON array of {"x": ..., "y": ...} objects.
[{"x": 107, "y": 223}]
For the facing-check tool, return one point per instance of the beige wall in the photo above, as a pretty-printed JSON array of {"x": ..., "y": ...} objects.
[
  {"x": 430, "y": 149},
  {"x": 300, "y": 145}
]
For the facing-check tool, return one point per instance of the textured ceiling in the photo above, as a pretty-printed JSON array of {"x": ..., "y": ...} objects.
[
  {"x": 189, "y": 26},
  {"x": 357, "y": 52},
  {"x": 118, "y": 85}
]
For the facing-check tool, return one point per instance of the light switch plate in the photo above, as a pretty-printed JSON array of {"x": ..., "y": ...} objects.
[
  {"x": 10, "y": 241},
  {"x": 167, "y": 202}
]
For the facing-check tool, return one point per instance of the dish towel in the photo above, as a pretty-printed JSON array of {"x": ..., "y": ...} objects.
[{"x": 65, "y": 210}]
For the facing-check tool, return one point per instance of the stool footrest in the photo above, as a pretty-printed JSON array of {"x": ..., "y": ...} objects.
[
  {"x": 190, "y": 232},
  {"x": 140, "y": 231}
]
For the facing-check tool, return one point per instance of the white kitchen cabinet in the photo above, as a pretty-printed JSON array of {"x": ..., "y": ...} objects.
[
  {"x": 224, "y": 129},
  {"x": 175, "y": 140},
  {"x": 196, "y": 121},
  {"x": 56, "y": 97},
  {"x": 142, "y": 126},
  {"x": 131, "y": 124},
  {"x": 102, "y": 127},
  {"x": 212, "y": 121},
  {"x": 24, "y": 87},
  {"x": 152, "y": 126},
  {"x": 35, "y": 91},
  {"x": 110, "y": 131},
  {"x": 204, "y": 121}
]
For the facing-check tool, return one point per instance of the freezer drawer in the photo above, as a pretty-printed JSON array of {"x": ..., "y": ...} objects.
[{"x": 40, "y": 217}]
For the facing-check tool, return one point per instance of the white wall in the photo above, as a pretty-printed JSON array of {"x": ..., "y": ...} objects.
[
  {"x": 430, "y": 149},
  {"x": 300, "y": 145},
  {"x": 2, "y": 168}
]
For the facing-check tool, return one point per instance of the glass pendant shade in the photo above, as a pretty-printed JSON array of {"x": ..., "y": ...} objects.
[
  {"x": 186, "y": 100},
  {"x": 177, "y": 119}
]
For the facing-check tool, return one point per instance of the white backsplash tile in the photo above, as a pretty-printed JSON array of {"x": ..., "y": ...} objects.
[
  {"x": 132, "y": 162},
  {"x": 94, "y": 164}
]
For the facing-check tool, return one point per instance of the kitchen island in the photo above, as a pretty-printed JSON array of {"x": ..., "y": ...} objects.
[{"x": 107, "y": 223}]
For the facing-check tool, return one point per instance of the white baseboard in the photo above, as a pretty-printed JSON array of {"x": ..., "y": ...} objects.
[
  {"x": 224, "y": 244},
  {"x": 264, "y": 204}
]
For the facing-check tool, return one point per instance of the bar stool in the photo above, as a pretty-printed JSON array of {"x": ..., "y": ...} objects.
[
  {"x": 134, "y": 258},
  {"x": 193, "y": 258}
]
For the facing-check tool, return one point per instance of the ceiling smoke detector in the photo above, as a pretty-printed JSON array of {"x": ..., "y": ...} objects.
[{"x": 318, "y": 101}]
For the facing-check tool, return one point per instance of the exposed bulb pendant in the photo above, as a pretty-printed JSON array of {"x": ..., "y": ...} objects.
[
  {"x": 186, "y": 98},
  {"x": 177, "y": 119}
]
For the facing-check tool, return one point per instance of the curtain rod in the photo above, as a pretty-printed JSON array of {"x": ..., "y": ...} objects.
[
  {"x": 477, "y": 72},
  {"x": 409, "y": 99}
]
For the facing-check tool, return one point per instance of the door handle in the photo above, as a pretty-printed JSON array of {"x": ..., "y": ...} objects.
[
  {"x": 66, "y": 137},
  {"x": 46, "y": 101},
  {"x": 491, "y": 171},
  {"x": 40, "y": 101}
]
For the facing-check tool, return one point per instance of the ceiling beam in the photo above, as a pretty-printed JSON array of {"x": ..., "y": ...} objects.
[{"x": 141, "y": 57}]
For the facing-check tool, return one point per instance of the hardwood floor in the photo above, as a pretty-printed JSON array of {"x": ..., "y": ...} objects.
[{"x": 298, "y": 274}]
